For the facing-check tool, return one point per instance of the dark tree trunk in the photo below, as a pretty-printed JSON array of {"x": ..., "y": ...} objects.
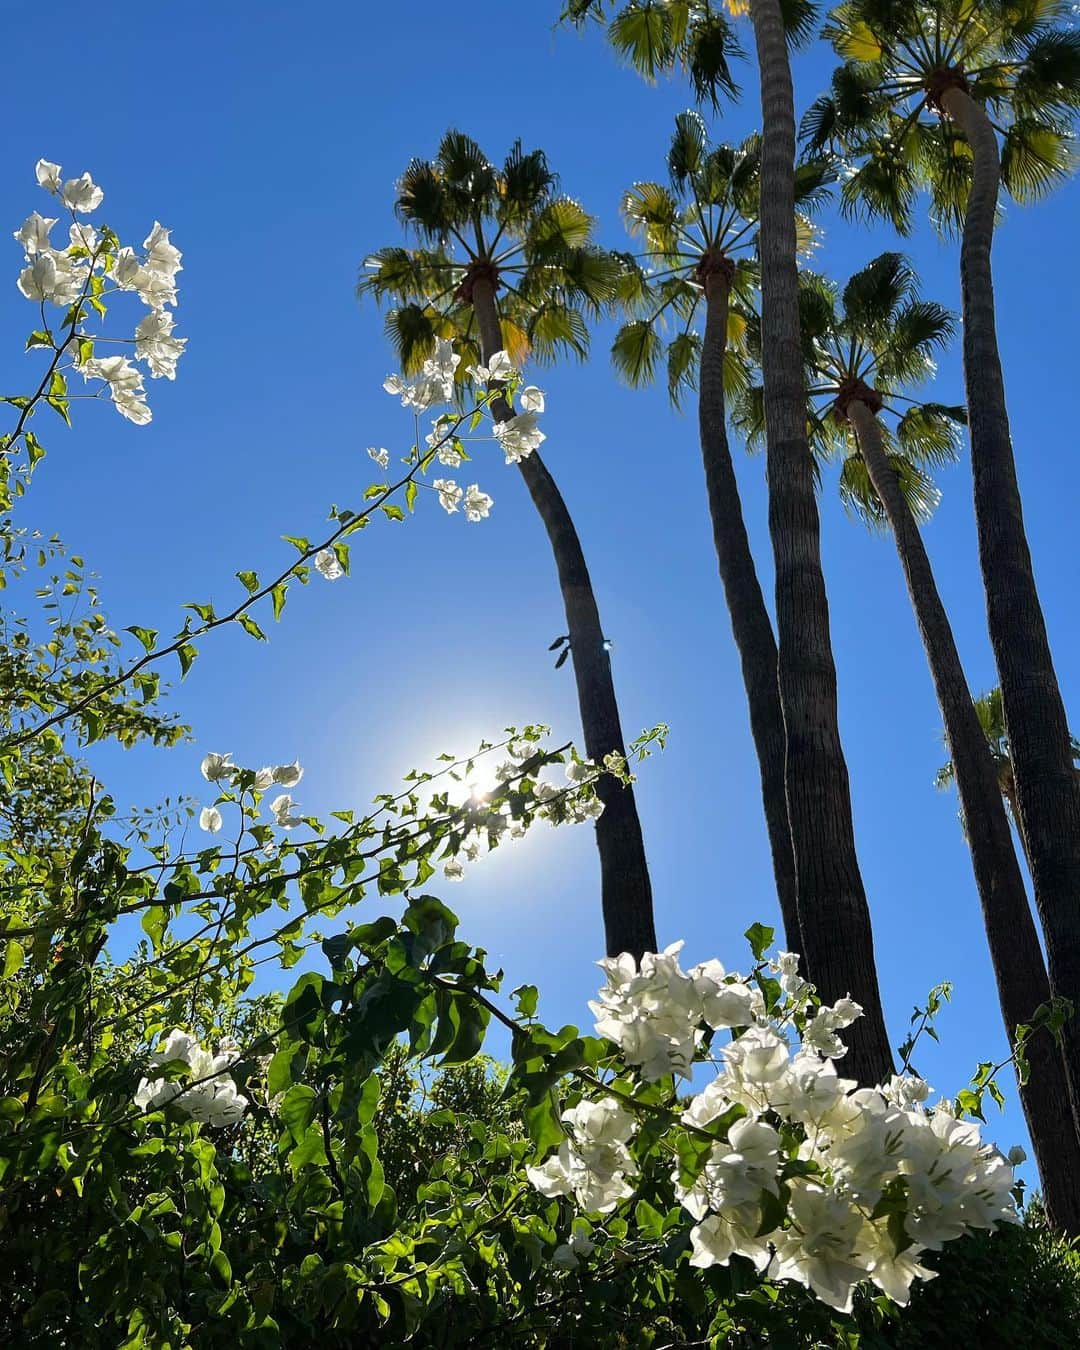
[
  {"x": 1047, "y": 785},
  {"x": 1010, "y": 929},
  {"x": 626, "y": 890},
  {"x": 750, "y": 620},
  {"x": 833, "y": 914}
]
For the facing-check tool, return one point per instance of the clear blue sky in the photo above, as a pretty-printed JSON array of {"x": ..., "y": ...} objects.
[{"x": 269, "y": 138}]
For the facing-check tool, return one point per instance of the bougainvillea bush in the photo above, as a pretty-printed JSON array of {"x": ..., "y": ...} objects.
[{"x": 184, "y": 1164}]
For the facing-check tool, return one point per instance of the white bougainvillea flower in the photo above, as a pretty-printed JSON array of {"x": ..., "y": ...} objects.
[
  {"x": 288, "y": 775},
  {"x": 532, "y": 399},
  {"x": 500, "y": 367},
  {"x": 381, "y": 457},
  {"x": 211, "y": 1097},
  {"x": 264, "y": 778},
  {"x": 519, "y": 436},
  {"x": 283, "y": 809},
  {"x": 450, "y": 494},
  {"x": 48, "y": 175},
  {"x": 210, "y": 819},
  {"x": 81, "y": 194},
  {"x": 33, "y": 233},
  {"x": 155, "y": 344},
  {"x": 327, "y": 564},
  {"x": 54, "y": 277},
  {"x": 477, "y": 504},
  {"x": 218, "y": 768},
  {"x": 453, "y": 870},
  {"x": 162, "y": 256},
  {"x": 125, "y": 386},
  {"x": 82, "y": 235}
]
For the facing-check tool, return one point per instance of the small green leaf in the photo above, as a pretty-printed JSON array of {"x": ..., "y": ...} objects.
[
  {"x": 249, "y": 580},
  {"x": 147, "y": 636},
  {"x": 248, "y": 624}
]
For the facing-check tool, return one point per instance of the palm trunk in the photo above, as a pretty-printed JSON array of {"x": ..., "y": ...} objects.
[
  {"x": 626, "y": 891},
  {"x": 1047, "y": 786},
  {"x": 750, "y": 620},
  {"x": 833, "y": 913},
  {"x": 1010, "y": 929}
]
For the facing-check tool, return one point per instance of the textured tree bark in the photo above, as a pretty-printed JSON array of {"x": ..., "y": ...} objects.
[
  {"x": 1047, "y": 785},
  {"x": 1017, "y": 958},
  {"x": 750, "y": 622},
  {"x": 833, "y": 913},
  {"x": 626, "y": 890}
]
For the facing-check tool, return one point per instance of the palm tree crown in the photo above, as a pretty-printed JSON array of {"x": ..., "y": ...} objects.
[
  {"x": 871, "y": 342},
  {"x": 1015, "y": 58},
  {"x": 508, "y": 224},
  {"x": 704, "y": 219}
]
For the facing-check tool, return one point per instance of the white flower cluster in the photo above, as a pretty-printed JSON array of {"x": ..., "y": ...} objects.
[
  {"x": 81, "y": 271},
  {"x": 518, "y": 436},
  {"x": 564, "y": 804},
  {"x": 859, "y": 1182},
  {"x": 434, "y": 384},
  {"x": 217, "y": 768},
  {"x": 209, "y": 1096},
  {"x": 593, "y": 1162}
]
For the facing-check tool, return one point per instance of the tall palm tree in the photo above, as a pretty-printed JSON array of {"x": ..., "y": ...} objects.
[
  {"x": 834, "y": 917},
  {"x": 699, "y": 232},
  {"x": 864, "y": 348},
  {"x": 920, "y": 103},
  {"x": 507, "y": 264}
]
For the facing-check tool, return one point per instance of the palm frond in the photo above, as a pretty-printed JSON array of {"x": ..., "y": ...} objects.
[
  {"x": 929, "y": 433},
  {"x": 636, "y": 352}
]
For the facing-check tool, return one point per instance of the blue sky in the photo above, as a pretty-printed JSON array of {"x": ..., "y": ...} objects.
[{"x": 269, "y": 139}]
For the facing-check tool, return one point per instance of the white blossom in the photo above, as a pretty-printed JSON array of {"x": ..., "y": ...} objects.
[
  {"x": 81, "y": 194},
  {"x": 519, "y": 436},
  {"x": 381, "y": 457},
  {"x": 54, "y": 277},
  {"x": 477, "y": 504},
  {"x": 328, "y": 565},
  {"x": 288, "y": 775},
  {"x": 33, "y": 233},
  {"x": 450, "y": 494},
  {"x": 500, "y": 367},
  {"x": 209, "y": 1096},
  {"x": 155, "y": 344},
  {"x": 531, "y": 399},
  {"x": 454, "y": 870},
  {"x": 283, "y": 809},
  {"x": 48, "y": 175},
  {"x": 218, "y": 768},
  {"x": 210, "y": 819},
  {"x": 125, "y": 385}
]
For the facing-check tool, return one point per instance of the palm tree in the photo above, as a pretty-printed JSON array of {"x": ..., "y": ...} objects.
[
  {"x": 698, "y": 234},
  {"x": 991, "y": 716},
  {"x": 507, "y": 264},
  {"x": 862, "y": 353},
  {"x": 834, "y": 917},
  {"x": 921, "y": 101}
]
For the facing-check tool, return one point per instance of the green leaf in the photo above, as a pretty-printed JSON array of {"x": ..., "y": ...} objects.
[
  {"x": 248, "y": 624},
  {"x": 542, "y": 1123},
  {"x": 13, "y": 959},
  {"x": 527, "y": 997},
  {"x": 277, "y": 596},
  {"x": 249, "y": 580},
  {"x": 411, "y": 491},
  {"x": 147, "y": 636},
  {"x": 297, "y": 1110},
  {"x": 40, "y": 337},
  {"x": 760, "y": 939},
  {"x": 392, "y": 511}
]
